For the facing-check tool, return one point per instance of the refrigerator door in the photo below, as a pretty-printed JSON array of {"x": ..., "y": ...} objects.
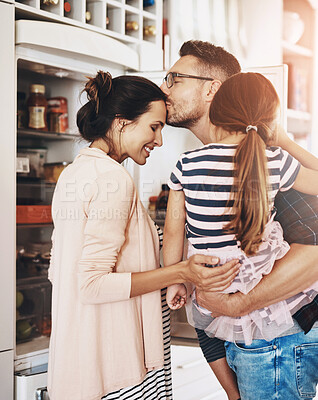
[{"x": 7, "y": 202}]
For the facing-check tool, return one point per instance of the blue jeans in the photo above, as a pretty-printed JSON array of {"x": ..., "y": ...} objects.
[{"x": 284, "y": 369}]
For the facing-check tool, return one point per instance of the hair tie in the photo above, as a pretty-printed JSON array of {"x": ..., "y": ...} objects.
[{"x": 250, "y": 127}]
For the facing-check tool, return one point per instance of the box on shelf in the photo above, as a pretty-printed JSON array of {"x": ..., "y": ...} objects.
[
  {"x": 39, "y": 214},
  {"x": 297, "y": 88}
]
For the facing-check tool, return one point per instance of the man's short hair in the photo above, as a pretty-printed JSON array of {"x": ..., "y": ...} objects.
[{"x": 211, "y": 59}]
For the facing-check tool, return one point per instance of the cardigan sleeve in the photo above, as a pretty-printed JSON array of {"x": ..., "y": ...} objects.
[{"x": 107, "y": 213}]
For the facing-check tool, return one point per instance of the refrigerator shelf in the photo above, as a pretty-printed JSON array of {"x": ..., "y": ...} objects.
[
  {"x": 19, "y": 226},
  {"x": 47, "y": 135}
]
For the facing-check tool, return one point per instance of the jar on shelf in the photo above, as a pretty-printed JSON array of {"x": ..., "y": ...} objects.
[
  {"x": 162, "y": 201},
  {"x": 148, "y": 3},
  {"x": 50, "y": 2},
  {"x": 150, "y": 30},
  {"x": 152, "y": 206},
  {"x": 132, "y": 26},
  {"x": 57, "y": 114},
  {"x": 67, "y": 8},
  {"x": 37, "y": 108},
  {"x": 88, "y": 16},
  {"x": 22, "y": 112}
]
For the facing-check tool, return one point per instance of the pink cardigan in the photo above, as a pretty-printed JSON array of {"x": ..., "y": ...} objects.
[{"x": 102, "y": 340}]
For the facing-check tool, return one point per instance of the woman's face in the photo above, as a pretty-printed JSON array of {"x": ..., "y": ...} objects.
[{"x": 139, "y": 138}]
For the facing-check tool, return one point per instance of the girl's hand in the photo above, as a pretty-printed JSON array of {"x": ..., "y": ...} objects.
[
  {"x": 214, "y": 279},
  {"x": 282, "y": 139},
  {"x": 176, "y": 296}
]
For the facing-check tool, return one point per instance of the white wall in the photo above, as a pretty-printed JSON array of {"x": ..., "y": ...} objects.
[
  {"x": 162, "y": 160},
  {"x": 250, "y": 29}
]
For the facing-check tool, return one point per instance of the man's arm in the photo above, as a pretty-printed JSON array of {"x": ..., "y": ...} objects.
[{"x": 290, "y": 275}]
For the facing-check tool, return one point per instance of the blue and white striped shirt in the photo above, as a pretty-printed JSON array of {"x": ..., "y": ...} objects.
[{"x": 206, "y": 177}]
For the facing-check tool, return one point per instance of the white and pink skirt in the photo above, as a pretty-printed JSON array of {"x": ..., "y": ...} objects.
[{"x": 266, "y": 323}]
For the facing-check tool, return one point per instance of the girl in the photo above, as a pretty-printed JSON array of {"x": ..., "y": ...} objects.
[{"x": 224, "y": 194}]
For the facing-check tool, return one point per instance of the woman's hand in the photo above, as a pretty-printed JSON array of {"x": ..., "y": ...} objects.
[
  {"x": 176, "y": 296},
  {"x": 214, "y": 279}
]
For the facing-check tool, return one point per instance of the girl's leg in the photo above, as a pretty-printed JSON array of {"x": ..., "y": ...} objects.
[
  {"x": 214, "y": 352},
  {"x": 226, "y": 377}
]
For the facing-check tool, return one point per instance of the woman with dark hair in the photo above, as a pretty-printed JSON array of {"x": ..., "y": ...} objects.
[
  {"x": 110, "y": 333},
  {"x": 226, "y": 191}
]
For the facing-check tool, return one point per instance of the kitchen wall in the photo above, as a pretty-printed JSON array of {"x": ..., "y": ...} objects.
[{"x": 250, "y": 29}]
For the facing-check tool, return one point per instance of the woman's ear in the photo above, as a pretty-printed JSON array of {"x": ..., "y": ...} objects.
[{"x": 121, "y": 123}]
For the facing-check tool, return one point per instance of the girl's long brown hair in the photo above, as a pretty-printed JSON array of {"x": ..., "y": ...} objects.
[{"x": 248, "y": 99}]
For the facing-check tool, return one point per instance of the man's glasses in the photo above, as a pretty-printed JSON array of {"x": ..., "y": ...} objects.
[{"x": 169, "y": 78}]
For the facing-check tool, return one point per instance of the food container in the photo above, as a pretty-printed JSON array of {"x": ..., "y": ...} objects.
[
  {"x": 37, "y": 159},
  {"x": 52, "y": 171},
  {"x": 37, "y": 106},
  {"x": 58, "y": 114},
  {"x": 40, "y": 214}
]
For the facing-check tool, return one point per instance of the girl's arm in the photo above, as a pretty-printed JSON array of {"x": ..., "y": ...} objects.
[
  {"x": 305, "y": 158},
  {"x": 307, "y": 178},
  {"x": 219, "y": 278},
  {"x": 173, "y": 237}
]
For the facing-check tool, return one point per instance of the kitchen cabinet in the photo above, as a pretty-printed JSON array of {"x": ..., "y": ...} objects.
[{"x": 132, "y": 22}]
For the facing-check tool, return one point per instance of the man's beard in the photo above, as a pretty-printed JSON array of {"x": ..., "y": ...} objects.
[{"x": 183, "y": 121}]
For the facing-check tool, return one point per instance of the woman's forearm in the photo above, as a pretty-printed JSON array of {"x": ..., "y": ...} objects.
[
  {"x": 146, "y": 282},
  {"x": 191, "y": 270}
]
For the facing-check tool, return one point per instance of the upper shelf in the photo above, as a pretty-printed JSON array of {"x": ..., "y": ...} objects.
[{"x": 296, "y": 50}]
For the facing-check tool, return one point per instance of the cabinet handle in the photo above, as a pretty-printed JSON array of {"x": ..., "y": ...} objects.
[{"x": 42, "y": 394}]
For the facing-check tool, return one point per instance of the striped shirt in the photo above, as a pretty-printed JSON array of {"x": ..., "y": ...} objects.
[{"x": 206, "y": 176}]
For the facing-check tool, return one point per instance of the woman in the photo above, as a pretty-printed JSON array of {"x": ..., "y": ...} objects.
[{"x": 107, "y": 333}]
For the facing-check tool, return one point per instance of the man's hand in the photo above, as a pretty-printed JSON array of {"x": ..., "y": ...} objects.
[{"x": 229, "y": 304}]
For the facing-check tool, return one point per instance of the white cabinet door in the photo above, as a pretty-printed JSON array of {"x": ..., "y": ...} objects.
[
  {"x": 278, "y": 75},
  {"x": 6, "y": 375},
  {"x": 7, "y": 167}
]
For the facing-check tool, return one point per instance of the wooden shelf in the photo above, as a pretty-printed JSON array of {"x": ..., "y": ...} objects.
[
  {"x": 298, "y": 115},
  {"x": 290, "y": 49}
]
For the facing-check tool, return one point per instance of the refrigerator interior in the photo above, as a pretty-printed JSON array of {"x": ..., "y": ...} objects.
[{"x": 64, "y": 77}]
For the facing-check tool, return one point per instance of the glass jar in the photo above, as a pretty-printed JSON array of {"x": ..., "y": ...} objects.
[{"x": 37, "y": 108}]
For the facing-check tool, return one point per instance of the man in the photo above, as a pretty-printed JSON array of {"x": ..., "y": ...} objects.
[{"x": 190, "y": 86}]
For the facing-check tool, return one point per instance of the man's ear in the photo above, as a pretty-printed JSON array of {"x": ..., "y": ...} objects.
[{"x": 213, "y": 87}]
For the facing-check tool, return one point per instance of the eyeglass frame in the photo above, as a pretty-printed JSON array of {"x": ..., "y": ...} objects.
[{"x": 179, "y": 75}]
